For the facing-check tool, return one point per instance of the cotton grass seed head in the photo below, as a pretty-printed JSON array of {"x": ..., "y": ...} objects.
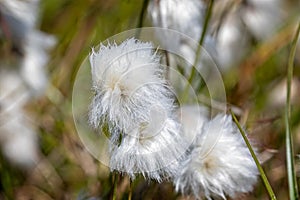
[
  {"x": 127, "y": 82},
  {"x": 153, "y": 156},
  {"x": 134, "y": 101},
  {"x": 220, "y": 163}
]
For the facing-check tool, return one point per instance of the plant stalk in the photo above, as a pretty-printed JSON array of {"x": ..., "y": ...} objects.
[
  {"x": 292, "y": 180},
  {"x": 259, "y": 167}
]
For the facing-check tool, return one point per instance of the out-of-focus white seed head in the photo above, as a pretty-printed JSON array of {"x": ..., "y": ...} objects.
[
  {"x": 18, "y": 139},
  {"x": 186, "y": 17},
  {"x": 24, "y": 78},
  {"x": 262, "y": 18},
  {"x": 20, "y": 19}
]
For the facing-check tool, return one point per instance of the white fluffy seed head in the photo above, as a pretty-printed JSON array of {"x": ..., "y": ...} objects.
[
  {"x": 33, "y": 69},
  {"x": 20, "y": 146},
  {"x": 21, "y": 20},
  {"x": 164, "y": 13},
  {"x": 220, "y": 163},
  {"x": 257, "y": 14},
  {"x": 127, "y": 79},
  {"x": 126, "y": 66},
  {"x": 153, "y": 156},
  {"x": 134, "y": 101},
  {"x": 180, "y": 32}
]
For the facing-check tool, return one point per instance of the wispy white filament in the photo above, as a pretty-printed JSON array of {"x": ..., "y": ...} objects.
[
  {"x": 220, "y": 163},
  {"x": 134, "y": 101}
]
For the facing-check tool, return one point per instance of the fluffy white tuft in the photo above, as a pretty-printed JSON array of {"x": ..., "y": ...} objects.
[
  {"x": 220, "y": 163},
  {"x": 134, "y": 101},
  {"x": 127, "y": 82},
  {"x": 154, "y": 156}
]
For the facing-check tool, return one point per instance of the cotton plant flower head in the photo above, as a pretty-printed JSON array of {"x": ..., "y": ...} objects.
[
  {"x": 20, "y": 19},
  {"x": 165, "y": 14},
  {"x": 186, "y": 17},
  {"x": 134, "y": 101},
  {"x": 19, "y": 141},
  {"x": 34, "y": 62},
  {"x": 236, "y": 26},
  {"x": 231, "y": 41},
  {"x": 21, "y": 78},
  {"x": 155, "y": 156},
  {"x": 257, "y": 14},
  {"x": 18, "y": 138},
  {"x": 219, "y": 164},
  {"x": 26, "y": 11},
  {"x": 237, "y": 23},
  {"x": 125, "y": 78}
]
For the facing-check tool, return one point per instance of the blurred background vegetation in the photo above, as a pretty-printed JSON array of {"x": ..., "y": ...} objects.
[{"x": 66, "y": 170}]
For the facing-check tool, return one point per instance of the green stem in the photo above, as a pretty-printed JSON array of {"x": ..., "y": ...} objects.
[
  {"x": 198, "y": 52},
  {"x": 141, "y": 18},
  {"x": 115, "y": 180},
  {"x": 168, "y": 65},
  {"x": 259, "y": 167},
  {"x": 130, "y": 190},
  {"x": 292, "y": 180}
]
